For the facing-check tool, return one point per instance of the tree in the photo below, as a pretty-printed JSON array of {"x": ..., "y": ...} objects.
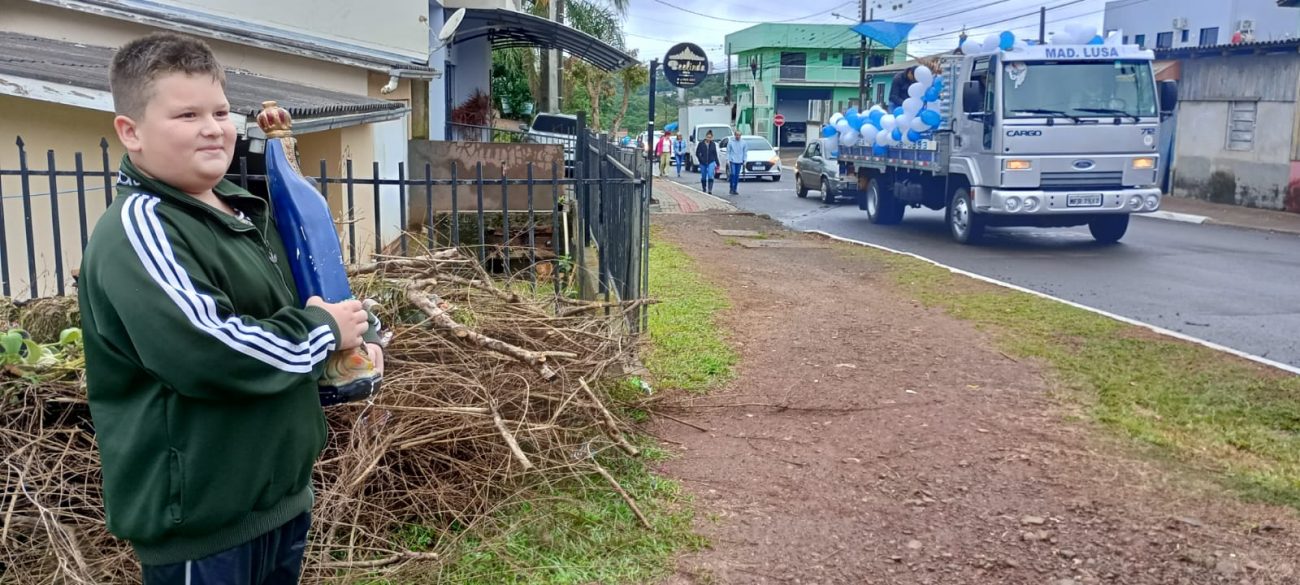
[{"x": 631, "y": 78}]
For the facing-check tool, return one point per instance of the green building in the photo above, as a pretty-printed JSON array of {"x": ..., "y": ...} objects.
[{"x": 793, "y": 64}]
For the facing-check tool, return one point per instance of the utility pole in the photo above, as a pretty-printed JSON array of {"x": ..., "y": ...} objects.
[
  {"x": 862, "y": 56},
  {"x": 1042, "y": 25},
  {"x": 553, "y": 62}
]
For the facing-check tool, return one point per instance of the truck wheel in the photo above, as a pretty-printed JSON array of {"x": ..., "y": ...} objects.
[
  {"x": 883, "y": 209},
  {"x": 828, "y": 196},
  {"x": 966, "y": 225},
  {"x": 799, "y": 188},
  {"x": 1109, "y": 229}
]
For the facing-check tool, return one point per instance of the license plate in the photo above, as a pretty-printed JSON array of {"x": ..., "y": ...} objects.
[
  {"x": 756, "y": 166},
  {"x": 1090, "y": 200}
]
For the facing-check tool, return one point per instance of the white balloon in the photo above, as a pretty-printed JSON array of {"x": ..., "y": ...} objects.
[
  {"x": 1115, "y": 39},
  {"x": 835, "y": 118},
  {"x": 876, "y": 108},
  {"x": 924, "y": 76},
  {"x": 869, "y": 138},
  {"x": 842, "y": 126},
  {"x": 849, "y": 138},
  {"x": 991, "y": 43},
  {"x": 883, "y": 137},
  {"x": 916, "y": 90},
  {"x": 911, "y": 106},
  {"x": 919, "y": 125},
  {"x": 1021, "y": 45},
  {"x": 887, "y": 122},
  {"x": 972, "y": 47}
]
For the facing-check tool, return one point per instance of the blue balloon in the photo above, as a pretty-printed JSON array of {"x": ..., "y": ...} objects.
[
  {"x": 931, "y": 95},
  {"x": 1097, "y": 40},
  {"x": 851, "y": 112},
  {"x": 835, "y": 154},
  {"x": 1006, "y": 41},
  {"x": 938, "y": 83},
  {"x": 828, "y": 131},
  {"x": 879, "y": 150},
  {"x": 875, "y": 117},
  {"x": 931, "y": 118},
  {"x": 853, "y": 119},
  {"x": 913, "y": 135},
  {"x": 898, "y": 111},
  {"x": 898, "y": 135}
]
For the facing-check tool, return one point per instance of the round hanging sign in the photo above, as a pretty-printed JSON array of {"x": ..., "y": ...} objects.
[{"x": 686, "y": 65}]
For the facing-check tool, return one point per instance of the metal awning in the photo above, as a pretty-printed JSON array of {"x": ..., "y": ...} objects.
[
  {"x": 510, "y": 28},
  {"x": 49, "y": 64}
]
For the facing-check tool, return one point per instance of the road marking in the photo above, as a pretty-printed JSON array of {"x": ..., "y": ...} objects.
[
  {"x": 1172, "y": 216},
  {"x": 1154, "y": 328}
]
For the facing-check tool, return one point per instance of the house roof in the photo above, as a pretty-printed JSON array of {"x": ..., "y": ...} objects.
[
  {"x": 511, "y": 28},
  {"x": 794, "y": 36},
  {"x": 1228, "y": 50},
  {"x": 86, "y": 66},
  {"x": 896, "y": 67}
]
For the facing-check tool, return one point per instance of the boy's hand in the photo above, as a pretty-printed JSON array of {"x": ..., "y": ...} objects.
[
  {"x": 376, "y": 354},
  {"x": 351, "y": 318}
]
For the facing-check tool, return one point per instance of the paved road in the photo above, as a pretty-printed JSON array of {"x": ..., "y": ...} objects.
[{"x": 1235, "y": 287}]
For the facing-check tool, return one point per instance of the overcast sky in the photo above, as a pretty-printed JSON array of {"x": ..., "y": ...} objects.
[{"x": 653, "y": 26}]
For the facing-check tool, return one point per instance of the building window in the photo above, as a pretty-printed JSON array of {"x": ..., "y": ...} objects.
[
  {"x": 851, "y": 60},
  {"x": 1165, "y": 40},
  {"x": 822, "y": 56},
  {"x": 1209, "y": 36},
  {"x": 1187, "y": 35},
  {"x": 794, "y": 65},
  {"x": 1241, "y": 125},
  {"x": 1140, "y": 41},
  {"x": 876, "y": 61},
  {"x": 1126, "y": 39}
]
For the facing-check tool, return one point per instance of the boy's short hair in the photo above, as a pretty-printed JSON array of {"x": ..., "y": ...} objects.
[{"x": 139, "y": 63}]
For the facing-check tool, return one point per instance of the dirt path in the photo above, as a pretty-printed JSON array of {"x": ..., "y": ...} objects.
[{"x": 916, "y": 453}]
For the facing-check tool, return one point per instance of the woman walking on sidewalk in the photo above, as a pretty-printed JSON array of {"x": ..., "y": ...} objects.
[
  {"x": 664, "y": 148},
  {"x": 707, "y": 155},
  {"x": 679, "y": 152}
]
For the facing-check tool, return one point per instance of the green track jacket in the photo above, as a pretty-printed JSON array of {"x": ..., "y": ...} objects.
[{"x": 201, "y": 368}]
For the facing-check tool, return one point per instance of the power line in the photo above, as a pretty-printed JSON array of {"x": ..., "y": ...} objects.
[
  {"x": 996, "y": 22},
  {"x": 1053, "y": 21},
  {"x": 689, "y": 11}
]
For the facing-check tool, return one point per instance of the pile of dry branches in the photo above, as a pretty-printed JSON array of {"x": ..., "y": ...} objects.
[{"x": 485, "y": 392}]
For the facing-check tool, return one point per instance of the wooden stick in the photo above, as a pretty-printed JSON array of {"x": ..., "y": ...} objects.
[
  {"x": 384, "y": 562},
  {"x": 429, "y": 304},
  {"x": 692, "y": 425},
  {"x": 626, "y": 497},
  {"x": 504, "y": 295},
  {"x": 610, "y": 424},
  {"x": 510, "y": 440}
]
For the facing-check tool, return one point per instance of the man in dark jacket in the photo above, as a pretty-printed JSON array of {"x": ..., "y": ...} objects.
[
  {"x": 706, "y": 152},
  {"x": 898, "y": 90}
]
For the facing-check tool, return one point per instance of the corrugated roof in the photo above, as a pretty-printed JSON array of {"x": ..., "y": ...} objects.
[
  {"x": 511, "y": 28},
  {"x": 87, "y": 66},
  {"x": 794, "y": 36},
  {"x": 1259, "y": 47}
]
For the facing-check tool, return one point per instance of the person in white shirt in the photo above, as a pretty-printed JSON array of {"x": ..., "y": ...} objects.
[{"x": 737, "y": 150}]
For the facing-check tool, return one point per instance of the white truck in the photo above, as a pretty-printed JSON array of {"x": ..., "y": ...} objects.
[
  {"x": 695, "y": 121},
  {"x": 1048, "y": 136}
]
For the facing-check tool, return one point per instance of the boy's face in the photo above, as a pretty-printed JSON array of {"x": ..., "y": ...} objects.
[{"x": 185, "y": 137}]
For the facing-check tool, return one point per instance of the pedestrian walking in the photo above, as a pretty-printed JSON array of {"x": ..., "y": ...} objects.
[
  {"x": 664, "y": 149},
  {"x": 707, "y": 155},
  {"x": 679, "y": 152},
  {"x": 737, "y": 150}
]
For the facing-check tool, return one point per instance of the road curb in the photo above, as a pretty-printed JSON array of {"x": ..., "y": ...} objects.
[
  {"x": 697, "y": 190},
  {"x": 1153, "y": 328},
  {"x": 1174, "y": 216}
]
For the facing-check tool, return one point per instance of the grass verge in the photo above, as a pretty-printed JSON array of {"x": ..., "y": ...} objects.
[
  {"x": 1238, "y": 420},
  {"x": 687, "y": 349}
]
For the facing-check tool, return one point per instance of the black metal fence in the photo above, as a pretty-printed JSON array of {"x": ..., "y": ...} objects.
[{"x": 47, "y": 214}]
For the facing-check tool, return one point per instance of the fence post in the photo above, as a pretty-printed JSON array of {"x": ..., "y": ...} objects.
[
  {"x": 401, "y": 204},
  {"x": 352, "y": 215},
  {"x": 81, "y": 199},
  {"x": 482, "y": 233},
  {"x": 428, "y": 207},
  {"x": 54, "y": 221},
  {"x": 108, "y": 181},
  {"x": 505, "y": 222},
  {"x": 25, "y": 185},
  {"x": 374, "y": 182},
  {"x": 532, "y": 230}
]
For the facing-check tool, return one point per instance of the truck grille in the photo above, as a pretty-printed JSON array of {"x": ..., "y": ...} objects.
[{"x": 1083, "y": 180}]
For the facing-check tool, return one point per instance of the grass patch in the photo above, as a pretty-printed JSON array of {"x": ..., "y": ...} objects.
[
  {"x": 687, "y": 349},
  {"x": 1203, "y": 408},
  {"x": 575, "y": 532}
]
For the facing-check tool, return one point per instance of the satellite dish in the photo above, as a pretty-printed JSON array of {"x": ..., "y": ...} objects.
[{"x": 449, "y": 28}]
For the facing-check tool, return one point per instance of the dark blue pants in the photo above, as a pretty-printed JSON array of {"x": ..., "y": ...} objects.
[
  {"x": 734, "y": 175},
  {"x": 274, "y": 558}
]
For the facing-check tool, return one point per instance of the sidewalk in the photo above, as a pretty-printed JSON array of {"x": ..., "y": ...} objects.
[
  {"x": 675, "y": 199},
  {"x": 1235, "y": 215}
]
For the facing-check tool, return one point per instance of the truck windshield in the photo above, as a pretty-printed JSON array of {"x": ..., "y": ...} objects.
[{"x": 1075, "y": 89}]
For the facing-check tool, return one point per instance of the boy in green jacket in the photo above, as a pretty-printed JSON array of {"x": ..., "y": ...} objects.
[{"x": 201, "y": 360}]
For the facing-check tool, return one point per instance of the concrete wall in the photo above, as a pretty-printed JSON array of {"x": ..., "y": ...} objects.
[
  {"x": 1206, "y": 169},
  {"x": 1151, "y": 17}
]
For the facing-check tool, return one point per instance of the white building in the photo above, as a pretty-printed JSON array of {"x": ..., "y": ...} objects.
[{"x": 1163, "y": 24}]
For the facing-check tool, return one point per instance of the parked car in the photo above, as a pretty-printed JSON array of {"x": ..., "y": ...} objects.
[
  {"x": 550, "y": 128},
  {"x": 816, "y": 170},
  {"x": 761, "y": 160}
]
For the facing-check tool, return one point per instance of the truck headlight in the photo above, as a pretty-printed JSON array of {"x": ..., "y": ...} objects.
[
  {"x": 1031, "y": 204},
  {"x": 1017, "y": 165},
  {"x": 1135, "y": 203},
  {"x": 1012, "y": 204},
  {"x": 1145, "y": 163},
  {"x": 1153, "y": 202}
]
